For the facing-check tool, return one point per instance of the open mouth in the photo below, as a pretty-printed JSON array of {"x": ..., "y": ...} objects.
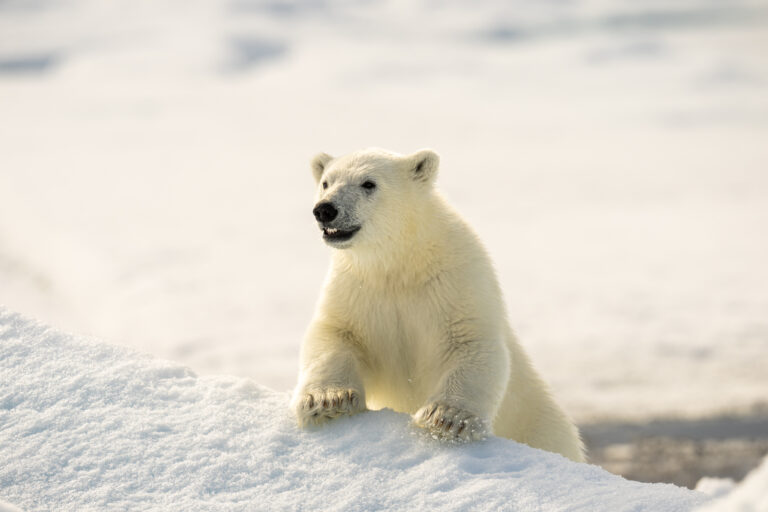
[{"x": 339, "y": 235}]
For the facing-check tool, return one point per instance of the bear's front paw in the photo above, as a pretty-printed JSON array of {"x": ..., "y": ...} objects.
[
  {"x": 316, "y": 407},
  {"x": 451, "y": 423}
]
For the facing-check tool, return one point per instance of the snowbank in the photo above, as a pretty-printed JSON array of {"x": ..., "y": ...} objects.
[
  {"x": 87, "y": 426},
  {"x": 7, "y": 507},
  {"x": 750, "y": 496}
]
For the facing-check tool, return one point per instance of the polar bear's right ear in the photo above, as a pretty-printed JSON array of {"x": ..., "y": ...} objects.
[{"x": 319, "y": 162}]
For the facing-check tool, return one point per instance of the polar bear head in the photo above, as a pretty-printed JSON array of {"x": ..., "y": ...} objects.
[{"x": 367, "y": 197}]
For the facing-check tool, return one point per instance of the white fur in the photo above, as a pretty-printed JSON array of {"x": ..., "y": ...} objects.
[{"x": 411, "y": 316}]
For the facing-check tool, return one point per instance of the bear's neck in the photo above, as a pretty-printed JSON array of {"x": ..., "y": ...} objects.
[{"x": 416, "y": 255}]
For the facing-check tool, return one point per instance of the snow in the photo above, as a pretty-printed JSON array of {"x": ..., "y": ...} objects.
[
  {"x": 715, "y": 487},
  {"x": 89, "y": 426},
  {"x": 7, "y": 507},
  {"x": 155, "y": 188},
  {"x": 751, "y": 495}
]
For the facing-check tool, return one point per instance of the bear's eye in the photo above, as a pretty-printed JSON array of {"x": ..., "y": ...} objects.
[
  {"x": 368, "y": 185},
  {"x": 325, "y": 185}
]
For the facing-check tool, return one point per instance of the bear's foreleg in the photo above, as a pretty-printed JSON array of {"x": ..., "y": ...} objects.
[
  {"x": 469, "y": 392},
  {"x": 329, "y": 383}
]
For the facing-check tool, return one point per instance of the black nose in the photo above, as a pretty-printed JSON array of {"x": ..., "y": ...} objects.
[{"x": 325, "y": 212}]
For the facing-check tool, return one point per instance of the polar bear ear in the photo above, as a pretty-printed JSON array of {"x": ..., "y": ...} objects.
[
  {"x": 319, "y": 162},
  {"x": 423, "y": 165}
]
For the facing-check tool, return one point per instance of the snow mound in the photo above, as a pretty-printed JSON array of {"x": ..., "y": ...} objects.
[
  {"x": 751, "y": 495},
  {"x": 88, "y": 426},
  {"x": 715, "y": 487},
  {"x": 7, "y": 507}
]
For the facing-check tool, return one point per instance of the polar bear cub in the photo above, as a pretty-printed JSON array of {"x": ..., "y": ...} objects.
[{"x": 411, "y": 315}]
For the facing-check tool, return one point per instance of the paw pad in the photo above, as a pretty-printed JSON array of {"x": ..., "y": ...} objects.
[
  {"x": 451, "y": 423},
  {"x": 322, "y": 405}
]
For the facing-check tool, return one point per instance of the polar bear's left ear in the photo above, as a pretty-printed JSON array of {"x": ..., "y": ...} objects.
[
  {"x": 423, "y": 165},
  {"x": 319, "y": 163}
]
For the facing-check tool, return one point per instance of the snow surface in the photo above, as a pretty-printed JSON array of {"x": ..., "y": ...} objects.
[
  {"x": 155, "y": 188},
  {"x": 715, "y": 487},
  {"x": 751, "y": 495},
  {"x": 88, "y": 426},
  {"x": 7, "y": 507}
]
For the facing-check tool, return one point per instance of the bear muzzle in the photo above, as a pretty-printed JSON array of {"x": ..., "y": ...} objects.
[{"x": 339, "y": 235}]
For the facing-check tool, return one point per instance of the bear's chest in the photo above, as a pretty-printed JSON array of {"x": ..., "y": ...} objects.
[
  {"x": 398, "y": 331},
  {"x": 402, "y": 339}
]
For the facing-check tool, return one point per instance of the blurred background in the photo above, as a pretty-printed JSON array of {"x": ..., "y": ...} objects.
[{"x": 155, "y": 188}]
